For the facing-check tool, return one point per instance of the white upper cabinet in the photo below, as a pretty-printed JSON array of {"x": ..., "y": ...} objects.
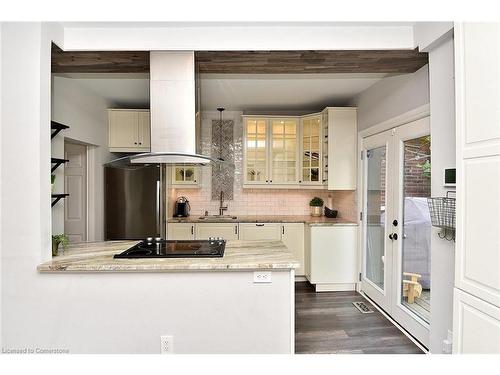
[
  {"x": 311, "y": 150},
  {"x": 283, "y": 150},
  {"x": 316, "y": 151},
  {"x": 341, "y": 146},
  {"x": 129, "y": 130},
  {"x": 185, "y": 176},
  {"x": 256, "y": 145}
]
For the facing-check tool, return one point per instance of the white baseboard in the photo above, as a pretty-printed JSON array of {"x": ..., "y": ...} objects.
[
  {"x": 300, "y": 278},
  {"x": 334, "y": 287}
]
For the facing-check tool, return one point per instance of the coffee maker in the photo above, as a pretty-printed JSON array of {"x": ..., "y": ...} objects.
[{"x": 181, "y": 207}]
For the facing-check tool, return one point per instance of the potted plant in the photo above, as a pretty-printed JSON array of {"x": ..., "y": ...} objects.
[
  {"x": 316, "y": 206},
  {"x": 58, "y": 239}
]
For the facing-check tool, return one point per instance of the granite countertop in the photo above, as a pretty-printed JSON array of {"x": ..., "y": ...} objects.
[
  {"x": 306, "y": 219},
  {"x": 238, "y": 255}
]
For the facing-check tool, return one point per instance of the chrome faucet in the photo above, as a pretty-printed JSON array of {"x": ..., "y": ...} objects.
[{"x": 222, "y": 208}]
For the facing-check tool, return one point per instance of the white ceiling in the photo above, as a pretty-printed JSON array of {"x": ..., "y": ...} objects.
[
  {"x": 281, "y": 92},
  {"x": 250, "y": 93},
  {"x": 120, "y": 90}
]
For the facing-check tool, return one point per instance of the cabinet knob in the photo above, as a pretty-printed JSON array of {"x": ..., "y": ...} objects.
[
  {"x": 135, "y": 143},
  {"x": 140, "y": 143}
]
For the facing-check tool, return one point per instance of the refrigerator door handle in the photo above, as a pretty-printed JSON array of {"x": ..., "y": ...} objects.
[{"x": 158, "y": 197}]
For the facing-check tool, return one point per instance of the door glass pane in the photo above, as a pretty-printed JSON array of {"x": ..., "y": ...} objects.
[
  {"x": 375, "y": 215},
  {"x": 416, "y": 244}
]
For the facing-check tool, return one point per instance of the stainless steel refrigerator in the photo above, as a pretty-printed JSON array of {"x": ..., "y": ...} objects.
[{"x": 133, "y": 201}]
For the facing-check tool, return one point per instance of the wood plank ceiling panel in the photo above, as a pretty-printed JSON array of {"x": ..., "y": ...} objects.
[
  {"x": 289, "y": 62},
  {"x": 99, "y": 61},
  {"x": 247, "y": 62}
]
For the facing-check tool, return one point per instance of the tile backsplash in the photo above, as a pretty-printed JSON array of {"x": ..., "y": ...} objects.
[{"x": 255, "y": 201}]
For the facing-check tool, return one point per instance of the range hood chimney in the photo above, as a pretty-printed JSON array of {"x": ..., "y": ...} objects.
[{"x": 174, "y": 126}]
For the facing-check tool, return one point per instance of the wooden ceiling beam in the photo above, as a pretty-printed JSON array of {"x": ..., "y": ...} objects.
[
  {"x": 247, "y": 62},
  {"x": 286, "y": 62},
  {"x": 99, "y": 61}
]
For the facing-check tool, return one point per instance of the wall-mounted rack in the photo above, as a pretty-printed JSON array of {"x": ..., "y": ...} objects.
[
  {"x": 57, "y": 127},
  {"x": 442, "y": 211},
  {"x": 57, "y": 197},
  {"x": 57, "y": 162}
]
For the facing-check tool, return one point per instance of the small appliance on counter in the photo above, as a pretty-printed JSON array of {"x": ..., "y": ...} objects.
[
  {"x": 182, "y": 207},
  {"x": 330, "y": 213},
  {"x": 159, "y": 248}
]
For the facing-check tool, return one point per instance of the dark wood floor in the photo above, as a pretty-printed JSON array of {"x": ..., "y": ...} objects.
[{"x": 328, "y": 322}]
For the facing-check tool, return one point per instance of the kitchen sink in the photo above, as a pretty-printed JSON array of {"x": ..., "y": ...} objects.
[{"x": 218, "y": 217}]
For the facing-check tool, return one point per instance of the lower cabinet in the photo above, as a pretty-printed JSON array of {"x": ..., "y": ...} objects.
[
  {"x": 331, "y": 257},
  {"x": 260, "y": 231},
  {"x": 476, "y": 325},
  {"x": 180, "y": 231},
  {"x": 292, "y": 235},
  {"x": 227, "y": 231}
]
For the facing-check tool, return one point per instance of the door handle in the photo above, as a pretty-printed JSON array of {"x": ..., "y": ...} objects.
[
  {"x": 395, "y": 222},
  {"x": 390, "y": 236},
  {"x": 259, "y": 225},
  {"x": 393, "y": 236}
]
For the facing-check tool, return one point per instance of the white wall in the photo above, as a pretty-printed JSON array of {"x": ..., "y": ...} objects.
[
  {"x": 392, "y": 96},
  {"x": 442, "y": 107},
  {"x": 85, "y": 113}
]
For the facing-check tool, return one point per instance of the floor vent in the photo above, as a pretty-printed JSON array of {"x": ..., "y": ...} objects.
[{"x": 363, "y": 307}]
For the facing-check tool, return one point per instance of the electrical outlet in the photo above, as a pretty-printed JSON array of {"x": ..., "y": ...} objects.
[
  {"x": 262, "y": 277},
  {"x": 167, "y": 344}
]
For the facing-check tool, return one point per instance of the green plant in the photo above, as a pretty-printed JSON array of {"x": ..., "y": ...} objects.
[
  {"x": 316, "y": 202},
  {"x": 426, "y": 169},
  {"x": 52, "y": 178},
  {"x": 61, "y": 239},
  {"x": 189, "y": 173}
]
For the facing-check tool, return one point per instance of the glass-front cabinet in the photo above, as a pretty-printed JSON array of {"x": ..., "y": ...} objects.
[
  {"x": 185, "y": 176},
  {"x": 256, "y": 151},
  {"x": 311, "y": 150},
  {"x": 284, "y": 151},
  {"x": 301, "y": 151}
]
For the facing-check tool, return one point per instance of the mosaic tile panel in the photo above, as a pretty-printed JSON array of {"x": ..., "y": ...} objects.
[{"x": 222, "y": 147}]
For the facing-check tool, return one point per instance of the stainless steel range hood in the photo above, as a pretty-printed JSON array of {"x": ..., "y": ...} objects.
[{"x": 175, "y": 128}]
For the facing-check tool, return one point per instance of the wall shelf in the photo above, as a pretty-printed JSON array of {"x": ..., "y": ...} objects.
[
  {"x": 57, "y": 163},
  {"x": 57, "y": 197},
  {"x": 57, "y": 127}
]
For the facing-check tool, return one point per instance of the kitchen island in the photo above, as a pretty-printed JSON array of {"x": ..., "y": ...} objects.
[{"x": 208, "y": 305}]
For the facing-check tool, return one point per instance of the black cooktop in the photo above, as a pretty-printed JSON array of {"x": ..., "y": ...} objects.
[{"x": 159, "y": 248}]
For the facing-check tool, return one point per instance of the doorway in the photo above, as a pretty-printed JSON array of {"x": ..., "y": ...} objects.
[
  {"x": 75, "y": 184},
  {"x": 396, "y": 224}
]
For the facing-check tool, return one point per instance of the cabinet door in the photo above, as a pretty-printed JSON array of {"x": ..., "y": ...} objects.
[
  {"x": 256, "y": 151},
  {"x": 283, "y": 151},
  {"x": 123, "y": 129},
  {"x": 292, "y": 235},
  {"x": 260, "y": 231},
  {"x": 227, "y": 231},
  {"x": 185, "y": 176},
  {"x": 180, "y": 231},
  {"x": 342, "y": 148},
  {"x": 476, "y": 325},
  {"x": 334, "y": 254},
  {"x": 144, "y": 130},
  {"x": 311, "y": 144}
]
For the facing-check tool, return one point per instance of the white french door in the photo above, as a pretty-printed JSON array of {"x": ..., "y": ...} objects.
[{"x": 396, "y": 224}]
